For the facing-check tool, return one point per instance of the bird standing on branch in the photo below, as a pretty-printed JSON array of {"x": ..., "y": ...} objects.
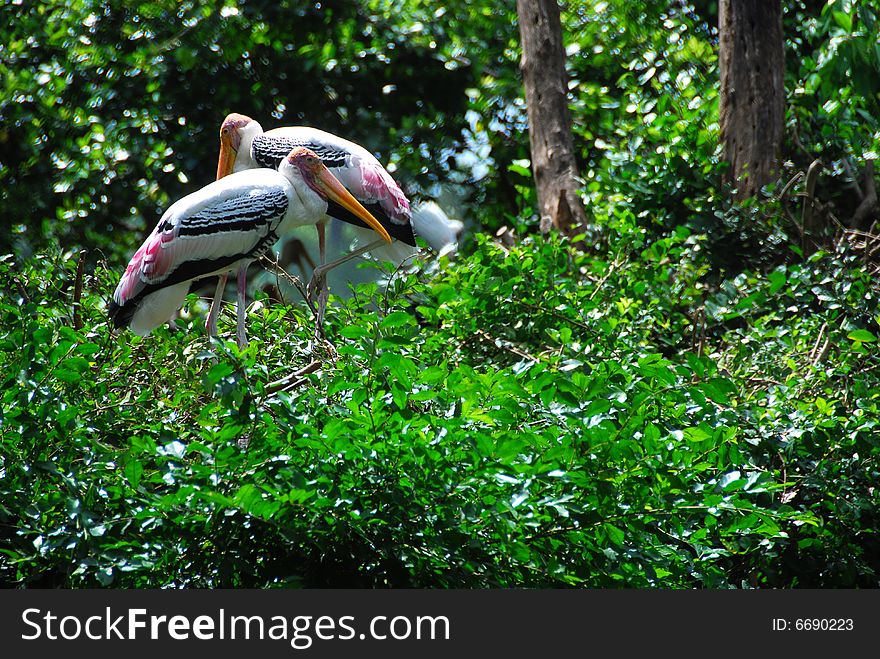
[
  {"x": 244, "y": 145},
  {"x": 221, "y": 229}
]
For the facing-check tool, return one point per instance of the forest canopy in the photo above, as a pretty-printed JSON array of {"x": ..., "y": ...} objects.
[{"x": 681, "y": 392}]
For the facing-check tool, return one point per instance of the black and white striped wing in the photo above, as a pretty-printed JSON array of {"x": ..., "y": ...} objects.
[
  {"x": 355, "y": 167},
  {"x": 209, "y": 231}
]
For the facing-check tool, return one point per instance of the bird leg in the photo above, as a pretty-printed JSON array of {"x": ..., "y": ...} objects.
[
  {"x": 319, "y": 275},
  {"x": 322, "y": 240},
  {"x": 240, "y": 308},
  {"x": 323, "y": 291},
  {"x": 211, "y": 324}
]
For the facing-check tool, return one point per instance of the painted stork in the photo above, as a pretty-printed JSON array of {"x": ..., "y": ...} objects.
[
  {"x": 222, "y": 228},
  {"x": 244, "y": 145}
]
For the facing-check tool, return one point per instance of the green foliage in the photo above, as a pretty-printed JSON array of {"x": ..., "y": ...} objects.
[
  {"x": 677, "y": 398},
  {"x": 833, "y": 83},
  {"x": 836, "y": 99},
  {"x": 534, "y": 417}
]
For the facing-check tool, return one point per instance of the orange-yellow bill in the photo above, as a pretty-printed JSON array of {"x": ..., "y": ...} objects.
[
  {"x": 337, "y": 192},
  {"x": 226, "y": 161}
]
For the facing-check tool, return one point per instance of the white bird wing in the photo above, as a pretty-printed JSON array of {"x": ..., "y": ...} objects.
[
  {"x": 207, "y": 232},
  {"x": 432, "y": 224}
]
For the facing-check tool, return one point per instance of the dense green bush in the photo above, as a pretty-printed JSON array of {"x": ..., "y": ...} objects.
[{"x": 532, "y": 417}]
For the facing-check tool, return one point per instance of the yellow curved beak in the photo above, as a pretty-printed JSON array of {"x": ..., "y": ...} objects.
[
  {"x": 226, "y": 161},
  {"x": 337, "y": 192}
]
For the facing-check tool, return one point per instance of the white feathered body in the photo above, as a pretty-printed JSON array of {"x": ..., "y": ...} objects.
[{"x": 212, "y": 231}]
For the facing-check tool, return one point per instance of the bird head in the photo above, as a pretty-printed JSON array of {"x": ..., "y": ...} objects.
[{"x": 237, "y": 131}]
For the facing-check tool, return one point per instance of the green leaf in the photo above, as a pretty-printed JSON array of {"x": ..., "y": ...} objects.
[
  {"x": 843, "y": 19},
  {"x": 615, "y": 535},
  {"x": 432, "y": 375},
  {"x": 217, "y": 373},
  {"x": 398, "y": 395},
  {"x": 696, "y": 434},
  {"x": 861, "y": 335},
  {"x": 353, "y": 332},
  {"x": 777, "y": 280},
  {"x": 396, "y": 319},
  {"x": 730, "y": 481},
  {"x": 133, "y": 470}
]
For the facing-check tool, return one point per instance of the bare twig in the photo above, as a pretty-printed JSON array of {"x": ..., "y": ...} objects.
[
  {"x": 293, "y": 280},
  {"x": 78, "y": 289},
  {"x": 791, "y": 182},
  {"x": 21, "y": 289},
  {"x": 702, "y": 345},
  {"x": 873, "y": 247},
  {"x": 765, "y": 381},
  {"x": 817, "y": 354},
  {"x": 855, "y": 179},
  {"x": 784, "y": 193},
  {"x": 807, "y": 216},
  {"x": 864, "y": 234},
  {"x": 814, "y": 352},
  {"x": 558, "y": 316},
  {"x": 797, "y": 140},
  {"x": 786, "y": 495},
  {"x": 293, "y": 380},
  {"x": 615, "y": 265},
  {"x": 824, "y": 351},
  {"x": 505, "y": 345}
]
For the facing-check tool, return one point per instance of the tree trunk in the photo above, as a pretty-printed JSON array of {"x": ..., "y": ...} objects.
[
  {"x": 550, "y": 137},
  {"x": 752, "y": 104}
]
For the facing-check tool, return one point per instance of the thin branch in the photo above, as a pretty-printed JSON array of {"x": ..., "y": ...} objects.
[
  {"x": 809, "y": 194},
  {"x": 293, "y": 380},
  {"x": 855, "y": 179},
  {"x": 824, "y": 351},
  {"x": 21, "y": 289},
  {"x": 505, "y": 345},
  {"x": 791, "y": 182},
  {"x": 78, "y": 289},
  {"x": 617, "y": 263},
  {"x": 784, "y": 193},
  {"x": 815, "y": 351},
  {"x": 293, "y": 280}
]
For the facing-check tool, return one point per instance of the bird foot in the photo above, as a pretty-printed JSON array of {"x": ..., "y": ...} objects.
[
  {"x": 318, "y": 294},
  {"x": 317, "y": 284},
  {"x": 322, "y": 349}
]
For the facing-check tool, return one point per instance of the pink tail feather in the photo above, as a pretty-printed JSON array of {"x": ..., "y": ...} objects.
[{"x": 149, "y": 263}]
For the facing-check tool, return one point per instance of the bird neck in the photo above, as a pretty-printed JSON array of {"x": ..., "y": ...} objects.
[
  {"x": 244, "y": 159},
  {"x": 307, "y": 205}
]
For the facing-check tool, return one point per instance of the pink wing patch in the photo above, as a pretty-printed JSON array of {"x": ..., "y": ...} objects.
[
  {"x": 377, "y": 185},
  {"x": 150, "y": 264}
]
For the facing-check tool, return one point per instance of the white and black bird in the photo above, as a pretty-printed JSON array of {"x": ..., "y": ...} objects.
[
  {"x": 244, "y": 145},
  {"x": 221, "y": 229}
]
